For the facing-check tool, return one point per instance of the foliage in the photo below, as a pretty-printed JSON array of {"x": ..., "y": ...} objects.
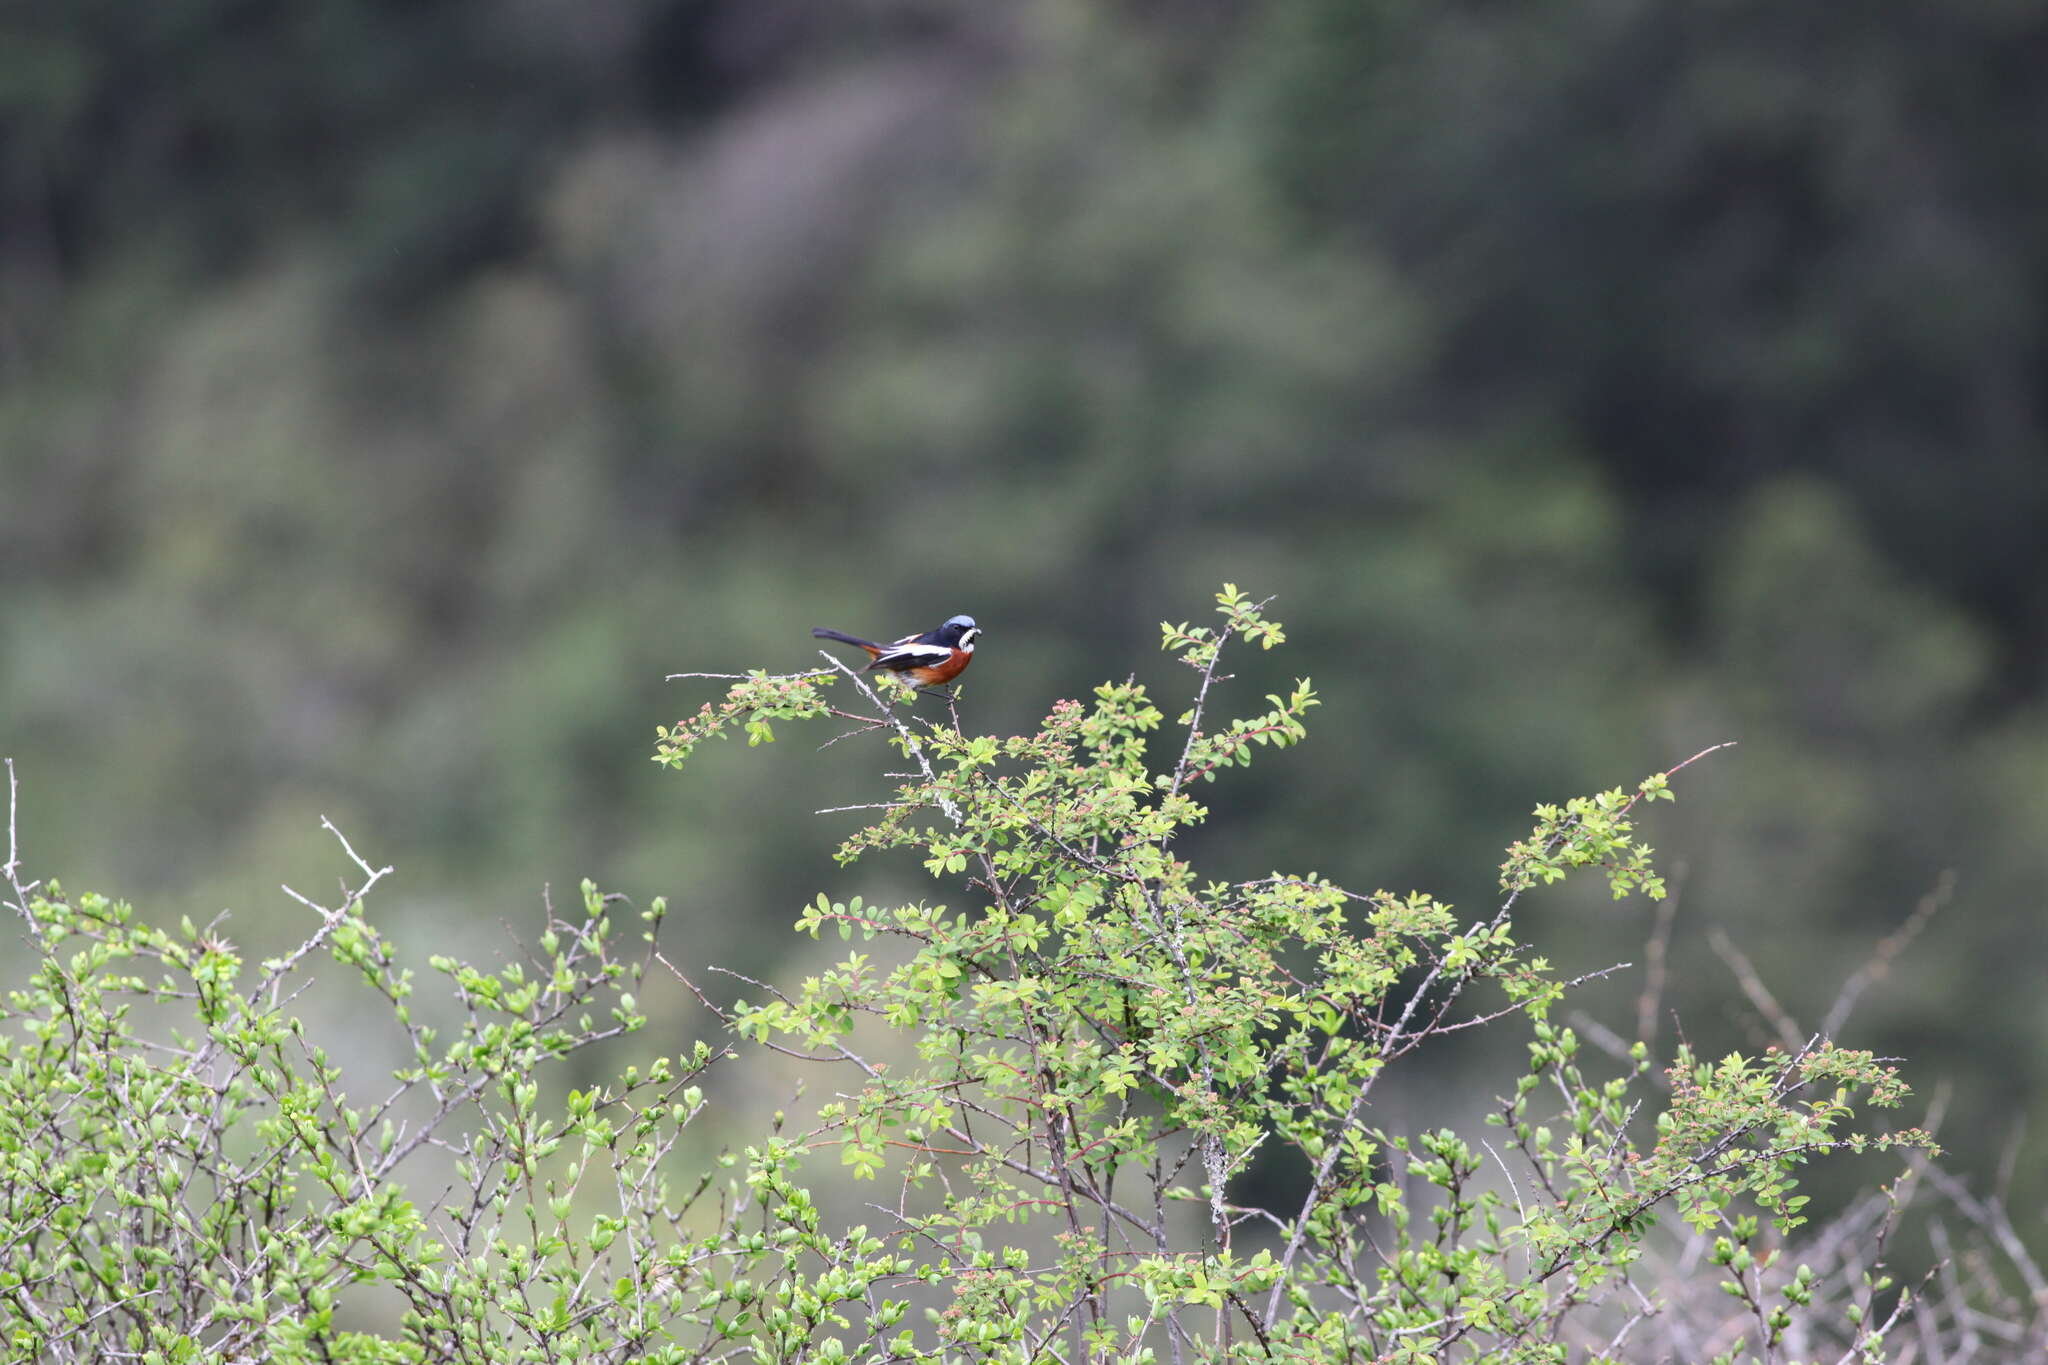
[
  {"x": 1108, "y": 1038},
  {"x": 184, "y": 1173},
  {"x": 1058, "y": 1086},
  {"x": 389, "y": 388}
]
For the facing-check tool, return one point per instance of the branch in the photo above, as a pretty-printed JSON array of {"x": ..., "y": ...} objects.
[
  {"x": 1753, "y": 986},
  {"x": 884, "y": 712},
  {"x": 1180, "y": 769},
  {"x": 282, "y": 967},
  {"x": 748, "y": 677},
  {"x": 12, "y": 871},
  {"x": 1888, "y": 947}
]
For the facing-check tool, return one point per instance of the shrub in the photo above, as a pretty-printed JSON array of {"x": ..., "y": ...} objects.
[{"x": 1054, "y": 1089}]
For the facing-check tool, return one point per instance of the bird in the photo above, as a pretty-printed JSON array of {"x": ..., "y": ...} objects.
[{"x": 937, "y": 656}]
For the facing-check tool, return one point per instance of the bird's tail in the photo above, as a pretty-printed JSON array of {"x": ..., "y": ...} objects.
[{"x": 823, "y": 634}]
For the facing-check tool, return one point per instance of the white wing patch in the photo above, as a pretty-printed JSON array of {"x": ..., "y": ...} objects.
[{"x": 911, "y": 655}]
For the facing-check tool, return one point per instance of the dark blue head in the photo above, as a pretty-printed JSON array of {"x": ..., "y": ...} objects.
[{"x": 959, "y": 632}]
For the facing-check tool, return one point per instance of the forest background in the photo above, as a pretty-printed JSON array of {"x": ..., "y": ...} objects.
[{"x": 392, "y": 394}]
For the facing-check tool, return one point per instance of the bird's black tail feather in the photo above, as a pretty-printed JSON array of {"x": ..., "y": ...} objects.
[{"x": 823, "y": 634}]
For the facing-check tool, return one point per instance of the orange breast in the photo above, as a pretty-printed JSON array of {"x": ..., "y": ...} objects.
[{"x": 936, "y": 674}]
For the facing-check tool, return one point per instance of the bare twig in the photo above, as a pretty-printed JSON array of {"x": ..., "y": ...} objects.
[
  {"x": 1888, "y": 948},
  {"x": 1753, "y": 986},
  {"x": 1989, "y": 1214},
  {"x": 884, "y": 712},
  {"x": 332, "y": 919},
  {"x": 748, "y": 677},
  {"x": 1655, "y": 954},
  {"x": 13, "y": 845},
  {"x": 12, "y": 871}
]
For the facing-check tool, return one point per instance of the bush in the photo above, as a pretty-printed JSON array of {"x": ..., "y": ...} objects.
[{"x": 1058, "y": 1088}]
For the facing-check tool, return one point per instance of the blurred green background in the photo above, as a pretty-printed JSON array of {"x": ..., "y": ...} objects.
[{"x": 392, "y": 393}]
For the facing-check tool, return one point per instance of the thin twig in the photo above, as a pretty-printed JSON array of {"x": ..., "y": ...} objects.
[
  {"x": 1889, "y": 947},
  {"x": 13, "y": 845},
  {"x": 1753, "y": 986},
  {"x": 1655, "y": 954},
  {"x": 748, "y": 677},
  {"x": 884, "y": 712},
  {"x": 12, "y": 871}
]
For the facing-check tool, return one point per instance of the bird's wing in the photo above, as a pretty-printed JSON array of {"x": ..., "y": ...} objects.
[{"x": 910, "y": 654}]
